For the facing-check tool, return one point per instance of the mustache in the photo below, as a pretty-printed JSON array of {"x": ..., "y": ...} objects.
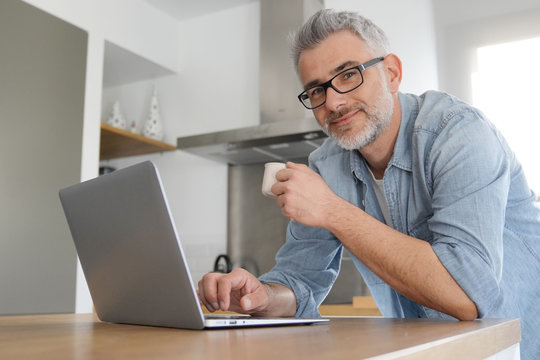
[{"x": 334, "y": 115}]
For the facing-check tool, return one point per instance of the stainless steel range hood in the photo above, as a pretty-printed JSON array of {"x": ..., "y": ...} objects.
[
  {"x": 286, "y": 131},
  {"x": 278, "y": 141}
]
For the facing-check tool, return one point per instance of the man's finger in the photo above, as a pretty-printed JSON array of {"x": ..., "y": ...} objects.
[
  {"x": 297, "y": 166},
  {"x": 224, "y": 292},
  {"x": 235, "y": 280},
  {"x": 208, "y": 291},
  {"x": 203, "y": 301}
]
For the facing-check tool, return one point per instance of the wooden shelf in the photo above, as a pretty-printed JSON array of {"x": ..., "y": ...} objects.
[{"x": 117, "y": 143}]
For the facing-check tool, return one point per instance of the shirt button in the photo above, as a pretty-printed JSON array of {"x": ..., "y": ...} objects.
[{"x": 363, "y": 202}]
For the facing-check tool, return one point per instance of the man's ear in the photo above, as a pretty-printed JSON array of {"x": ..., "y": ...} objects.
[{"x": 392, "y": 67}]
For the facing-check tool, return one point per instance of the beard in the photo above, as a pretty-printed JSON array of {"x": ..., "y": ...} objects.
[{"x": 377, "y": 120}]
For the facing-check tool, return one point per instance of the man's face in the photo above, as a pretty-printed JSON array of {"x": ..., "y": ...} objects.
[{"x": 354, "y": 119}]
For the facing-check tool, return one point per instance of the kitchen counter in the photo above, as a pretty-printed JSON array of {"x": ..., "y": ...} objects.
[{"x": 83, "y": 336}]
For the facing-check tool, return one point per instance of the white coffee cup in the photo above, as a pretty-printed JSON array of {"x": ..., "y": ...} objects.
[{"x": 269, "y": 178}]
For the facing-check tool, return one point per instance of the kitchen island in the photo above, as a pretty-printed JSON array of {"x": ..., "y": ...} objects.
[{"x": 83, "y": 336}]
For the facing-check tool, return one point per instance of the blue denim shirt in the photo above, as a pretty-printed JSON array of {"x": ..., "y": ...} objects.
[{"x": 453, "y": 182}]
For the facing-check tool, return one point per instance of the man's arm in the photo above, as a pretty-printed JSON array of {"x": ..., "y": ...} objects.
[
  {"x": 407, "y": 264},
  {"x": 242, "y": 292}
]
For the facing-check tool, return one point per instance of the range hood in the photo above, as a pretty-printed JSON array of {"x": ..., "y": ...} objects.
[
  {"x": 277, "y": 141},
  {"x": 286, "y": 131}
]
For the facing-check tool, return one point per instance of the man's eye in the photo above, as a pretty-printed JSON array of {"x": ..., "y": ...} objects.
[
  {"x": 318, "y": 91},
  {"x": 349, "y": 75}
]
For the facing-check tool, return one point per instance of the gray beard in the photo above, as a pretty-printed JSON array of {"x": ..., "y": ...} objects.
[{"x": 377, "y": 120}]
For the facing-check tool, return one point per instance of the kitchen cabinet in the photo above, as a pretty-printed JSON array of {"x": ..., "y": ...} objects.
[{"x": 42, "y": 90}]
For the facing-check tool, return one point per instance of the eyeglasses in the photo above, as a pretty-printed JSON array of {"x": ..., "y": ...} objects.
[{"x": 345, "y": 81}]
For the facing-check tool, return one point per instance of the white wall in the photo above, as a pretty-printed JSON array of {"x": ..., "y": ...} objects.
[
  {"x": 463, "y": 26},
  {"x": 409, "y": 25},
  {"x": 131, "y": 24},
  {"x": 216, "y": 89},
  {"x": 459, "y": 11}
]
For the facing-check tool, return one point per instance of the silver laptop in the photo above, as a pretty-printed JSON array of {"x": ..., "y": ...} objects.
[{"x": 131, "y": 255}]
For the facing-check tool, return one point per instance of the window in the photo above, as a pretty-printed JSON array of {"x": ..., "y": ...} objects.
[{"x": 506, "y": 87}]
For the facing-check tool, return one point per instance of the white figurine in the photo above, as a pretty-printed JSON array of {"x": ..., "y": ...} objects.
[
  {"x": 116, "y": 118},
  {"x": 133, "y": 128},
  {"x": 153, "y": 127}
]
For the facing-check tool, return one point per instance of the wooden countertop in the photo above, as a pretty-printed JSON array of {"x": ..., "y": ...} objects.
[{"x": 83, "y": 336}]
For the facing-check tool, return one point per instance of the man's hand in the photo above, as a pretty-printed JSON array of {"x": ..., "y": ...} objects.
[
  {"x": 241, "y": 292},
  {"x": 303, "y": 195},
  {"x": 238, "y": 291}
]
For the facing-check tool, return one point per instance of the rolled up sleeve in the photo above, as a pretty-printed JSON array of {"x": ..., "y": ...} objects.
[
  {"x": 308, "y": 263},
  {"x": 471, "y": 178}
]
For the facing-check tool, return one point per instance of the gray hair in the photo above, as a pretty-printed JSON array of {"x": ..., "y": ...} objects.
[{"x": 327, "y": 21}]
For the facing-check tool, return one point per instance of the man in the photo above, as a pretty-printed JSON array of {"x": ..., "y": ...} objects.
[{"x": 422, "y": 191}]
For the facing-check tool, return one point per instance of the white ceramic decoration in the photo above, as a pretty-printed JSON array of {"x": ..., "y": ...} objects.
[
  {"x": 133, "y": 128},
  {"x": 116, "y": 118},
  {"x": 153, "y": 127}
]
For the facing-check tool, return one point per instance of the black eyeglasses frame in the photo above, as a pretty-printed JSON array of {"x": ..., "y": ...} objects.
[{"x": 328, "y": 84}]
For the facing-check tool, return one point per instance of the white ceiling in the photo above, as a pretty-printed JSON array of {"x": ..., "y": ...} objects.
[{"x": 184, "y": 9}]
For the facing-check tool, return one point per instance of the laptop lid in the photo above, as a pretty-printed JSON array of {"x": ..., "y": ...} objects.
[{"x": 131, "y": 255}]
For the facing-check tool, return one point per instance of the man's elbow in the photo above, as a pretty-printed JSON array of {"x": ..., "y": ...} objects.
[{"x": 467, "y": 311}]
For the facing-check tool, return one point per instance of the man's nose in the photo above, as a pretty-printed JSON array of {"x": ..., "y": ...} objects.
[{"x": 334, "y": 100}]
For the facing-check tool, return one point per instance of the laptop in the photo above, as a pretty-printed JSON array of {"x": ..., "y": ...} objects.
[{"x": 131, "y": 255}]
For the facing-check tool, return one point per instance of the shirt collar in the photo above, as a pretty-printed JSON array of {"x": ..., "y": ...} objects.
[{"x": 402, "y": 157}]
